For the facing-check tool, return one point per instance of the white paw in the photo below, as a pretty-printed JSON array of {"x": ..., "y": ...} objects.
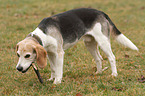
[
  {"x": 114, "y": 74},
  {"x": 57, "y": 81},
  {"x": 100, "y": 71},
  {"x": 49, "y": 79}
]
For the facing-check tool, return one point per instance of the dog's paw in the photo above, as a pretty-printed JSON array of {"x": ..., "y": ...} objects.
[
  {"x": 57, "y": 81},
  {"x": 114, "y": 74},
  {"x": 50, "y": 79},
  {"x": 100, "y": 71}
]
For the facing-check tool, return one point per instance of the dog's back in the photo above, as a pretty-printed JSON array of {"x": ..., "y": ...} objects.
[{"x": 73, "y": 24}]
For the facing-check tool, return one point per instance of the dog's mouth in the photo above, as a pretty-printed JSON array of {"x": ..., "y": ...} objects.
[
  {"x": 36, "y": 71},
  {"x": 26, "y": 69}
]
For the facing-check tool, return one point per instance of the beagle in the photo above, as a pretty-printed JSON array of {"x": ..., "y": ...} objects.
[{"x": 59, "y": 32}]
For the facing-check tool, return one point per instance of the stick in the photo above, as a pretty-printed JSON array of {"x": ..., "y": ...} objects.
[{"x": 37, "y": 73}]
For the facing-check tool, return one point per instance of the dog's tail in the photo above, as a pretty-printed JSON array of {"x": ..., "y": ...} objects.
[
  {"x": 126, "y": 42},
  {"x": 119, "y": 36}
]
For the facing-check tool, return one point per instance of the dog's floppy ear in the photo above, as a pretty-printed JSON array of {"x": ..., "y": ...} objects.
[
  {"x": 41, "y": 58},
  {"x": 17, "y": 46}
]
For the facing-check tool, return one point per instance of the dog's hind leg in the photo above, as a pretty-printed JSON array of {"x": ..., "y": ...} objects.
[
  {"x": 99, "y": 53},
  {"x": 104, "y": 44},
  {"x": 106, "y": 47},
  {"x": 91, "y": 45}
]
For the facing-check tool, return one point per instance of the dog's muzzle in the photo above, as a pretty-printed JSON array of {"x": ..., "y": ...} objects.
[{"x": 21, "y": 69}]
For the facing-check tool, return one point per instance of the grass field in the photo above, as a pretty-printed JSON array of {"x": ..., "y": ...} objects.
[{"x": 20, "y": 17}]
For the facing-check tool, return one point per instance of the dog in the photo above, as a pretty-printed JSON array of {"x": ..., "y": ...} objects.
[{"x": 59, "y": 32}]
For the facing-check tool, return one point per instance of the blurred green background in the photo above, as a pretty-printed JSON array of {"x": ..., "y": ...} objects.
[{"x": 20, "y": 17}]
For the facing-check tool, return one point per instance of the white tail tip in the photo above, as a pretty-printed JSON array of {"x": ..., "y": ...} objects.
[{"x": 126, "y": 42}]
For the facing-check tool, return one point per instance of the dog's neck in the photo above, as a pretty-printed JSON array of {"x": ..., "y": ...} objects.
[
  {"x": 35, "y": 38},
  {"x": 46, "y": 40}
]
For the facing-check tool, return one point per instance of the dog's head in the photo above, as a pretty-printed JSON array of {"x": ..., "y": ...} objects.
[{"x": 28, "y": 51}]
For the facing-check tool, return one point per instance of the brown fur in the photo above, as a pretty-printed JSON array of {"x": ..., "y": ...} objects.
[
  {"x": 31, "y": 46},
  {"x": 41, "y": 56}
]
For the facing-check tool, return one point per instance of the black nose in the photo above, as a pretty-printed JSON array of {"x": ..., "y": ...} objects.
[{"x": 19, "y": 68}]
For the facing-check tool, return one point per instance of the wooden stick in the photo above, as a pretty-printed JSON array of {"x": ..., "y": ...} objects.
[{"x": 37, "y": 73}]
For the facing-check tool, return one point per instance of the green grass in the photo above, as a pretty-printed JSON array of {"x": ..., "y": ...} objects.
[{"x": 20, "y": 17}]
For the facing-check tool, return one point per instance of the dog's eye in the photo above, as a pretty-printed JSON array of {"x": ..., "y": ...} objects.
[
  {"x": 27, "y": 56},
  {"x": 18, "y": 55}
]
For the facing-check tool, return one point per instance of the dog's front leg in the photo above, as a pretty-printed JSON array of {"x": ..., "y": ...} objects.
[
  {"x": 59, "y": 67},
  {"x": 56, "y": 65},
  {"x": 52, "y": 60}
]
